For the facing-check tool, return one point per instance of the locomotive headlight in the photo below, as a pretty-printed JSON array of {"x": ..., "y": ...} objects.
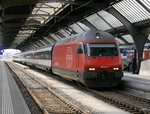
[
  {"x": 91, "y": 69},
  {"x": 98, "y": 36},
  {"x": 116, "y": 68}
]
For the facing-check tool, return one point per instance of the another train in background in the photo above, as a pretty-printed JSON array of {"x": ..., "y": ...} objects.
[{"x": 91, "y": 58}]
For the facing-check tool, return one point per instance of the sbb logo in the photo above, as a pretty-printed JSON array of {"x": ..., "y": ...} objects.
[{"x": 69, "y": 57}]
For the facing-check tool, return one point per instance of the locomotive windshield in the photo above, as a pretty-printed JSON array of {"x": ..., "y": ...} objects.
[{"x": 101, "y": 49}]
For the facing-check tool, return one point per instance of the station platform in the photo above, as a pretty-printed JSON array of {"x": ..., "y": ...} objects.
[
  {"x": 136, "y": 81},
  {"x": 11, "y": 99}
]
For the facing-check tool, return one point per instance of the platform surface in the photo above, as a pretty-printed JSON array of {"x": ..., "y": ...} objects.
[
  {"x": 136, "y": 81},
  {"x": 11, "y": 99},
  {"x": 137, "y": 77}
]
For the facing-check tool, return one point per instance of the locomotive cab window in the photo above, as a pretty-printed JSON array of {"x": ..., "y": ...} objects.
[
  {"x": 101, "y": 49},
  {"x": 80, "y": 49}
]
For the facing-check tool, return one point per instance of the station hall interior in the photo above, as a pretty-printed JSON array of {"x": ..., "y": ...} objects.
[{"x": 31, "y": 25}]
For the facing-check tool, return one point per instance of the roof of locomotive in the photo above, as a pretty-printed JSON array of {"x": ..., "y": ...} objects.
[{"x": 87, "y": 36}]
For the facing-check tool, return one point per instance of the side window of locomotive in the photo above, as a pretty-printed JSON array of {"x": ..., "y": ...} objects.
[{"x": 80, "y": 49}]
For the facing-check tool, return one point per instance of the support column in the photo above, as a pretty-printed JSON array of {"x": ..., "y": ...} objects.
[{"x": 138, "y": 37}]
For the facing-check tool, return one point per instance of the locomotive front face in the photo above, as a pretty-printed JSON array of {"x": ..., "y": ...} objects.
[{"x": 104, "y": 63}]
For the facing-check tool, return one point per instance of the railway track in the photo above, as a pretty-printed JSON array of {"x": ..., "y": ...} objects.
[
  {"x": 123, "y": 100},
  {"x": 47, "y": 99}
]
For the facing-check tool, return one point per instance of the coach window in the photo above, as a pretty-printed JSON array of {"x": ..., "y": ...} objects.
[
  {"x": 80, "y": 49},
  {"x": 48, "y": 55},
  {"x": 42, "y": 56},
  {"x": 37, "y": 55},
  {"x": 28, "y": 56},
  {"x": 25, "y": 56},
  {"x": 45, "y": 55}
]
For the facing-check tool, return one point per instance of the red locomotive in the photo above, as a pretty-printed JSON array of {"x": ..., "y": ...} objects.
[{"x": 91, "y": 58}]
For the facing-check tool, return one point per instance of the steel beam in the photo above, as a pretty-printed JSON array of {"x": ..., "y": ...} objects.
[
  {"x": 42, "y": 41},
  {"x": 33, "y": 44},
  {"x": 45, "y": 41},
  {"x": 55, "y": 37},
  {"x": 146, "y": 8},
  {"x": 89, "y": 3},
  {"x": 48, "y": 40},
  {"x": 39, "y": 44},
  {"x": 32, "y": 47},
  {"x": 121, "y": 38},
  {"x": 60, "y": 34},
  {"x": 11, "y": 3},
  {"x": 52, "y": 39},
  {"x": 79, "y": 2},
  {"x": 88, "y": 24}
]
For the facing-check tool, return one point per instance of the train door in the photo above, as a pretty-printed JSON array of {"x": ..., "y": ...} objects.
[{"x": 80, "y": 58}]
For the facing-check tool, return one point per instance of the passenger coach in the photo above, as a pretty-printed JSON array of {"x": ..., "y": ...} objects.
[{"x": 40, "y": 58}]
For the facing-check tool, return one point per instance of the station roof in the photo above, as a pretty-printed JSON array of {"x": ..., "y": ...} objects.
[{"x": 29, "y": 24}]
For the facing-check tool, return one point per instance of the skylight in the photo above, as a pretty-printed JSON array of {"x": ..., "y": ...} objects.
[{"x": 132, "y": 10}]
